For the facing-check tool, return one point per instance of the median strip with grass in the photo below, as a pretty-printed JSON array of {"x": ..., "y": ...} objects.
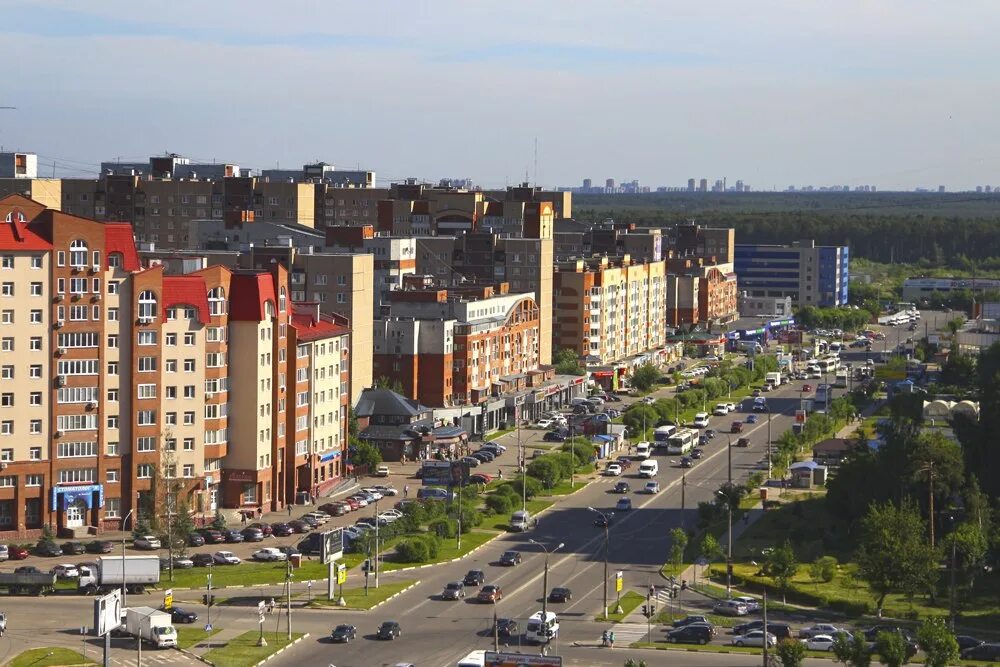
[
  {"x": 628, "y": 603},
  {"x": 49, "y": 656},
  {"x": 358, "y": 598},
  {"x": 243, "y": 651},
  {"x": 449, "y": 549},
  {"x": 188, "y": 637}
]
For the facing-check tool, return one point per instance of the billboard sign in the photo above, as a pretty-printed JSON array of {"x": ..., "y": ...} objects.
[
  {"x": 445, "y": 473},
  {"x": 505, "y": 659},
  {"x": 107, "y": 612},
  {"x": 331, "y": 545}
]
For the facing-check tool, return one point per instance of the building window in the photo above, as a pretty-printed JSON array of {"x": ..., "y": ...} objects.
[
  {"x": 35, "y": 454},
  {"x": 35, "y": 426},
  {"x": 78, "y": 253},
  {"x": 170, "y": 339},
  {"x": 33, "y": 480},
  {"x": 189, "y": 391},
  {"x": 144, "y": 471},
  {"x": 35, "y": 344},
  {"x": 146, "y": 417},
  {"x": 217, "y": 301},
  {"x": 145, "y": 444},
  {"x": 147, "y": 338},
  {"x": 113, "y": 475},
  {"x": 112, "y": 508},
  {"x": 171, "y": 366},
  {"x": 189, "y": 339},
  {"x": 147, "y": 364},
  {"x": 188, "y": 444},
  {"x": 189, "y": 419},
  {"x": 78, "y": 475},
  {"x": 113, "y": 449},
  {"x": 189, "y": 365},
  {"x": 112, "y": 421},
  {"x": 147, "y": 306}
]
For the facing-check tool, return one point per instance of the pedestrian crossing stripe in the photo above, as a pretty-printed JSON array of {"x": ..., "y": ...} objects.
[{"x": 627, "y": 633}]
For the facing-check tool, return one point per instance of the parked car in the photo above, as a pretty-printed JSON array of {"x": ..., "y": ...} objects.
[
  {"x": 232, "y": 536},
  {"x": 73, "y": 548},
  {"x": 47, "y": 548},
  {"x": 490, "y": 593},
  {"x": 729, "y": 608},
  {"x": 336, "y": 508},
  {"x": 196, "y": 540},
  {"x": 754, "y": 638},
  {"x": 385, "y": 490},
  {"x": 203, "y": 560},
  {"x": 212, "y": 536},
  {"x": 453, "y": 590},
  {"x": 300, "y": 526},
  {"x": 17, "y": 552},
  {"x": 474, "y": 578},
  {"x": 621, "y": 487},
  {"x": 268, "y": 555},
  {"x": 226, "y": 558},
  {"x": 560, "y": 594},
  {"x": 480, "y": 478},
  {"x": 554, "y": 436},
  {"x": 282, "y": 529},
  {"x": 252, "y": 534},
  {"x": 693, "y": 633},
  {"x": 966, "y": 642},
  {"x": 819, "y": 643},
  {"x": 100, "y": 547},
  {"x": 752, "y": 604},
  {"x": 510, "y": 558},
  {"x": 986, "y": 652},
  {"x": 388, "y": 630},
  {"x": 820, "y": 629},
  {"x": 343, "y": 633},
  {"x": 472, "y": 461},
  {"x": 262, "y": 527},
  {"x": 382, "y": 471},
  {"x": 689, "y": 619},
  {"x": 180, "y": 563}
]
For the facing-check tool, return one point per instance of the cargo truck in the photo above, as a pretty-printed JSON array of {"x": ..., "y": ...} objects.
[
  {"x": 110, "y": 572},
  {"x": 27, "y": 583},
  {"x": 151, "y": 626}
]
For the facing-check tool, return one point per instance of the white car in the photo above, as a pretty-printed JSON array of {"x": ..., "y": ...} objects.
[
  {"x": 66, "y": 571},
  {"x": 386, "y": 490},
  {"x": 731, "y": 407},
  {"x": 372, "y": 491},
  {"x": 495, "y": 445},
  {"x": 382, "y": 470},
  {"x": 701, "y": 420},
  {"x": 819, "y": 643},
  {"x": 544, "y": 423},
  {"x": 613, "y": 470},
  {"x": 820, "y": 629},
  {"x": 651, "y": 487},
  {"x": 4, "y": 552},
  {"x": 319, "y": 517},
  {"x": 147, "y": 542},
  {"x": 388, "y": 517},
  {"x": 721, "y": 410},
  {"x": 226, "y": 558},
  {"x": 754, "y": 638},
  {"x": 751, "y": 603},
  {"x": 269, "y": 554}
]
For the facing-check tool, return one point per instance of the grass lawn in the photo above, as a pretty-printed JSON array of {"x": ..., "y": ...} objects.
[
  {"x": 666, "y": 618},
  {"x": 671, "y": 570},
  {"x": 716, "y": 648},
  {"x": 243, "y": 651},
  {"x": 629, "y": 601},
  {"x": 449, "y": 549},
  {"x": 49, "y": 657},
  {"x": 188, "y": 637},
  {"x": 356, "y": 598}
]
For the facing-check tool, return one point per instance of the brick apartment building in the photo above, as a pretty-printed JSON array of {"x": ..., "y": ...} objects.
[{"x": 118, "y": 376}]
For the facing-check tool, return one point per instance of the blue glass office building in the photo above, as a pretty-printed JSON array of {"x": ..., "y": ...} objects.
[{"x": 811, "y": 275}]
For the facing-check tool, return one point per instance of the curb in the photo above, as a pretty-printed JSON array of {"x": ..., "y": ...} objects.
[
  {"x": 194, "y": 656},
  {"x": 336, "y": 608},
  {"x": 281, "y": 650}
]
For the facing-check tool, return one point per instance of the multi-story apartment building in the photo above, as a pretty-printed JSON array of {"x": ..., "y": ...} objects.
[
  {"x": 715, "y": 244},
  {"x": 117, "y": 377},
  {"x": 811, "y": 275},
  {"x": 18, "y": 165},
  {"x": 610, "y": 310},
  {"x": 699, "y": 292}
]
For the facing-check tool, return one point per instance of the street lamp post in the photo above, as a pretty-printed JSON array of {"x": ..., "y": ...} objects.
[
  {"x": 769, "y": 442},
  {"x": 729, "y": 543},
  {"x": 130, "y": 512},
  {"x": 545, "y": 575},
  {"x": 607, "y": 525}
]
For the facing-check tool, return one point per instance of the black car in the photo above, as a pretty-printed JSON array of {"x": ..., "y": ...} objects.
[
  {"x": 46, "y": 548},
  {"x": 560, "y": 594},
  {"x": 693, "y": 633},
  {"x": 312, "y": 521},
  {"x": 621, "y": 487},
  {"x": 252, "y": 535},
  {"x": 343, "y": 633},
  {"x": 232, "y": 536},
  {"x": 388, "y": 630},
  {"x": 697, "y": 453},
  {"x": 510, "y": 558},
  {"x": 474, "y": 578},
  {"x": 290, "y": 551},
  {"x": 687, "y": 462},
  {"x": 178, "y": 615},
  {"x": 603, "y": 520},
  {"x": 202, "y": 560},
  {"x": 744, "y": 628},
  {"x": 710, "y": 433},
  {"x": 27, "y": 569},
  {"x": 482, "y": 457},
  {"x": 73, "y": 548},
  {"x": 311, "y": 544},
  {"x": 281, "y": 529},
  {"x": 965, "y": 642},
  {"x": 703, "y": 439},
  {"x": 299, "y": 526},
  {"x": 552, "y": 436},
  {"x": 507, "y": 627},
  {"x": 100, "y": 547},
  {"x": 196, "y": 540},
  {"x": 871, "y": 634},
  {"x": 984, "y": 651}
]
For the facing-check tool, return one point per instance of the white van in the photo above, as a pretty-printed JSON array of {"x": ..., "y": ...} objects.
[
  {"x": 520, "y": 521},
  {"x": 474, "y": 659},
  {"x": 649, "y": 468},
  {"x": 701, "y": 420},
  {"x": 642, "y": 450},
  {"x": 542, "y": 628}
]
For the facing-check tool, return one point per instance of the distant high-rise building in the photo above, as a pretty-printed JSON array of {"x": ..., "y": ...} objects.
[
  {"x": 690, "y": 185},
  {"x": 941, "y": 188},
  {"x": 587, "y": 184},
  {"x": 979, "y": 188},
  {"x": 610, "y": 184},
  {"x": 703, "y": 185}
]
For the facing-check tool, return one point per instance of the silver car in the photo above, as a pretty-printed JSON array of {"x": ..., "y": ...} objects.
[
  {"x": 754, "y": 638},
  {"x": 453, "y": 590}
]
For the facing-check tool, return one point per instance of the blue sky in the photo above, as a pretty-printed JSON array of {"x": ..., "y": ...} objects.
[{"x": 895, "y": 93}]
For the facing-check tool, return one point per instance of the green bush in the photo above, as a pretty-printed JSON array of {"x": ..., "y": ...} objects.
[
  {"x": 433, "y": 543},
  {"x": 413, "y": 550},
  {"x": 531, "y": 487},
  {"x": 546, "y": 470},
  {"x": 507, "y": 489},
  {"x": 823, "y": 569},
  {"x": 443, "y": 527},
  {"x": 500, "y": 503},
  {"x": 581, "y": 451}
]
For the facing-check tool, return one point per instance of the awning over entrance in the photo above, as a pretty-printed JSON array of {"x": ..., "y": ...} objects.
[{"x": 63, "y": 496}]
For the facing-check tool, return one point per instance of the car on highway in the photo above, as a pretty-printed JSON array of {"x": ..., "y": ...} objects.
[
  {"x": 729, "y": 608},
  {"x": 721, "y": 410},
  {"x": 689, "y": 619},
  {"x": 382, "y": 471},
  {"x": 554, "y": 436},
  {"x": 751, "y": 418},
  {"x": 697, "y": 453},
  {"x": 736, "y": 427},
  {"x": 623, "y": 504},
  {"x": 693, "y": 633},
  {"x": 178, "y": 615},
  {"x": 544, "y": 423},
  {"x": 700, "y": 420},
  {"x": 966, "y": 642},
  {"x": 872, "y": 633},
  {"x": 453, "y": 590},
  {"x": 510, "y": 558},
  {"x": 621, "y": 487},
  {"x": 506, "y": 627},
  {"x": 490, "y": 593},
  {"x": 268, "y": 554},
  {"x": 388, "y": 630},
  {"x": 560, "y": 594},
  {"x": 819, "y": 643},
  {"x": 474, "y": 578},
  {"x": 754, "y": 638},
  {"x": 225, "y": 558},
  {"x": 820, "y": 629},
  {"x": 613, "y": 470},
  {"x": 985, "y": 652},
  {"x": 343, "y": 633},
  {"x": 743, "y": 442},
  {"x": 624, "y": 461},
  {"x": 687, "y": 462},
  {"x": 146, "y": 542},
  {"x": 807, "y": 387},
  {"x": 651, "y": 487},
  {"x": 100, "y": 547},
  {"x": 703, "y": 440},
  {"x": 202, "y": 560},
  {"x": 753, "y": 605},
  {"x": 65, "y": 571}
]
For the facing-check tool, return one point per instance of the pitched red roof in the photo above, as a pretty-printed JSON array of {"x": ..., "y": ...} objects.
[
  {"x": 186, "y": 291},
  {"x": 309, "y": 328},
  {"x": 118, "y": 238},
  {"x": 16, "y": 235},
  {"x": 248, "y": 292}
]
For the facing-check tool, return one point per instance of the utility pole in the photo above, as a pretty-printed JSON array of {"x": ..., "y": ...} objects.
[
  {"x": 930, "y": 499},
  {"x": 765, "y": 626},
  {"x": 376, "y": 545},
  {"x": 496, "y": 630},
  {"x": 683, "y": 493},
  {"x": 769, "y": 472},
  {"x": 288, "y": 598}
]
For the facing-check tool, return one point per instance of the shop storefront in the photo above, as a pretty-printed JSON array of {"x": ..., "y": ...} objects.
[{"x": 76, "y": 506}]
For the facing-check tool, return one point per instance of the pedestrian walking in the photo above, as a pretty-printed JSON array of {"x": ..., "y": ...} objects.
[
  {"x": 500, "y": 473},
  {"x": 611, "y": 638},
  {"x": 406, "y": 490},
  {"x": 243, "y": 518},
  {"x": 289, "y": 509},
  {"x": 270, "y": 606},
  {"x": 260, "y": 512},
  {"x": 604, "y": 638}
]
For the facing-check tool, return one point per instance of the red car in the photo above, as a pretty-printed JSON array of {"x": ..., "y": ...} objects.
[
  {"x": 352, "y": 503},
  {"x": 737, "y": 427},
  {"x": 807, "y": 387},
  {"x": 16, "y": 552}
]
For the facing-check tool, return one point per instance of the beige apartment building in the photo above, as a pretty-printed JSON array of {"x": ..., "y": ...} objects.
[{"x": 610, "y": 310}]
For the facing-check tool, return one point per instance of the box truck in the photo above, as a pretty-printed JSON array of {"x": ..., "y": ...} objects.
[
  {"x": 110, "y": 572},
  {"x": 151, "y": 626}
]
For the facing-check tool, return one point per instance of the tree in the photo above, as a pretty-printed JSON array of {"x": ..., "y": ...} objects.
[
  {"x": 937, "y": 643},
  {"x": 791, "y": 653},
  {"x": 393, "y": 384},
  {"x": 545, "y": 470},
  {"x": 782, "y": 566},
  {"x": 644, "y": 377},
  {"x": 638, "y": 416},
  {"x": 894, "y": 554},
  {"x": 892, "y": 649},
  {"x": 678, "y": 543},
  {"x": 366, "y": 454},
  {"x": 823, "y": 569},
  {"x": 567, "y": 362},
  {"x": 710, "y": 548},
  {"x": 852, "y": 650},
  {"x": 352, "y": 422}
]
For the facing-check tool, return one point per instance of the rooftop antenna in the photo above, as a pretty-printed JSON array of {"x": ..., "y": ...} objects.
[{"x": 536, "y": 161}]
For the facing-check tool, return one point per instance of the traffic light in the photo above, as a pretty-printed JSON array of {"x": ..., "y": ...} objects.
[
  {"x": 208, "y": 600},
  {"x": 645, "y": 611},
  {"x": 367, "y": 565}
]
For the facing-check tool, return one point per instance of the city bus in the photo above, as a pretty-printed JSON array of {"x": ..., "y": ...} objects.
[
  {"x": 842, "y": 377},
  {"x": 662, "y": 434},
  {"x": 822, "y": 392},
  {"x": 828, "y": 364},
  {"x": 682, "y": 442}
]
